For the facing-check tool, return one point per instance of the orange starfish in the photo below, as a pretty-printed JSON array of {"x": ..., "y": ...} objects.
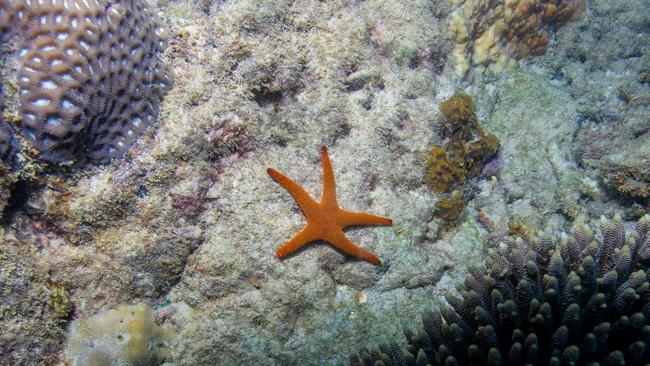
[{"x": 325, "y": 219}]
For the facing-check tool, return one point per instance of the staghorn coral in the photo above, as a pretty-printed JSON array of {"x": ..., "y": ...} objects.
[
  {"x": 463, "y": 155},
  {"x": 89, "y": 77},
  {"x": 495, "y": 33},
  {"x": 582, "y": 299}
]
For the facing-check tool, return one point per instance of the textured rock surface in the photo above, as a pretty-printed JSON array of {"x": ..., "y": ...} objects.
[
  {"x": 32, "y": 308},
  {"x": 5, "y": 137},
  {"x": 537, "y": 148},
  {"x": 610, "y": 85},
  {"x": 89, "y": 77}
]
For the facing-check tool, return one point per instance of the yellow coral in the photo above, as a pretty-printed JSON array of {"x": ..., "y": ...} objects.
[
  {"x": 462, "y": 156},
  {"x": 449, "y": 208},
  {"x": 442, "y": 174},
  {"x": 482, "y": 149},
  {"x": 459, "y": 108}
]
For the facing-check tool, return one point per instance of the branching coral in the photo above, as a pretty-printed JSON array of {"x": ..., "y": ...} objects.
[
  {"x": 491, "y": 33},
  {"x": 89, "y": 78},
  {"x": 582, "y": 299},
  {"x": 463, "y": 156}
]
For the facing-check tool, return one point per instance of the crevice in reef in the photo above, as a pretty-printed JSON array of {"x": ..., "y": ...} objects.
[{"x": 17, "y": 199}]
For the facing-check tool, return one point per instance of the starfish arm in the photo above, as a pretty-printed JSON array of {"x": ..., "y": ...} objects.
[
  {"x": 307, "y": 204},
  {"x": 348, "y": 247},
  {"x": 351, "y": 218},
  {"x": 328, "y": 196},
  {"x": 304, "y": 236}
]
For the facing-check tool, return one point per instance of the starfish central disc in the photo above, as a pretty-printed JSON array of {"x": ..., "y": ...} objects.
[{"x": 325, "y": 219}]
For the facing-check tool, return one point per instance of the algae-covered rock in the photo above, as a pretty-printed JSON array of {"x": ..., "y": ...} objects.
[
  {"x": 603, "y": 63},
  {"x": 7, "y": 180},
  {"x": 535, "y": 120},
  {"x": 32, "y": 308}
]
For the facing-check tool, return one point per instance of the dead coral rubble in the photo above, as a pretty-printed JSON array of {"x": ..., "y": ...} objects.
[
  {"x": 89, "y": 78},
  {"x": 582, "y": 299}
]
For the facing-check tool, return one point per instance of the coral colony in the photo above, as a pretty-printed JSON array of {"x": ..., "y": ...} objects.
[
  {"x": 582, "y": 299},
  {"x": 89, "y": 77},
  {"x": 463, "y": 156},
  {"x": 494, "y": 34}
]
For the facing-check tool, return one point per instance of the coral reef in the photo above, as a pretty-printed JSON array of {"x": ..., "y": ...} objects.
[
  {"x": 124, "y": 336},
  {"x": 89, "y": 77},
  {"x": 578, "y": 299},
  {"x": 463, "y": 156},
  {"x": 189, "y": 217},
  {"x": 494, "y": 34}
]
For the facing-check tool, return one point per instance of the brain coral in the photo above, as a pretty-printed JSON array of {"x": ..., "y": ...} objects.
[
  {"x": 583, "y": 299},
  {"x": 89, "y": 78}
]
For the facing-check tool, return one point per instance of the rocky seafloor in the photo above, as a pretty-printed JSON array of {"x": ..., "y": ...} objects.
[{"x": 188, "y": 221}]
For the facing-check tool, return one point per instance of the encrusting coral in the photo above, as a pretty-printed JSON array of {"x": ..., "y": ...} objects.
[
  {"x": 492, "y": 33},
  {"x": 124, "y": 336},
  {"x": 325, "y": 219},
  {"x": 89, "y": 75},
  {"x": 583, "y": 299},
  {"x": 463, "y": 156}
]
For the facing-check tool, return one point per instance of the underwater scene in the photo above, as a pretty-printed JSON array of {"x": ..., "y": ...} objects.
[{"x": 334, "y": 182}]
